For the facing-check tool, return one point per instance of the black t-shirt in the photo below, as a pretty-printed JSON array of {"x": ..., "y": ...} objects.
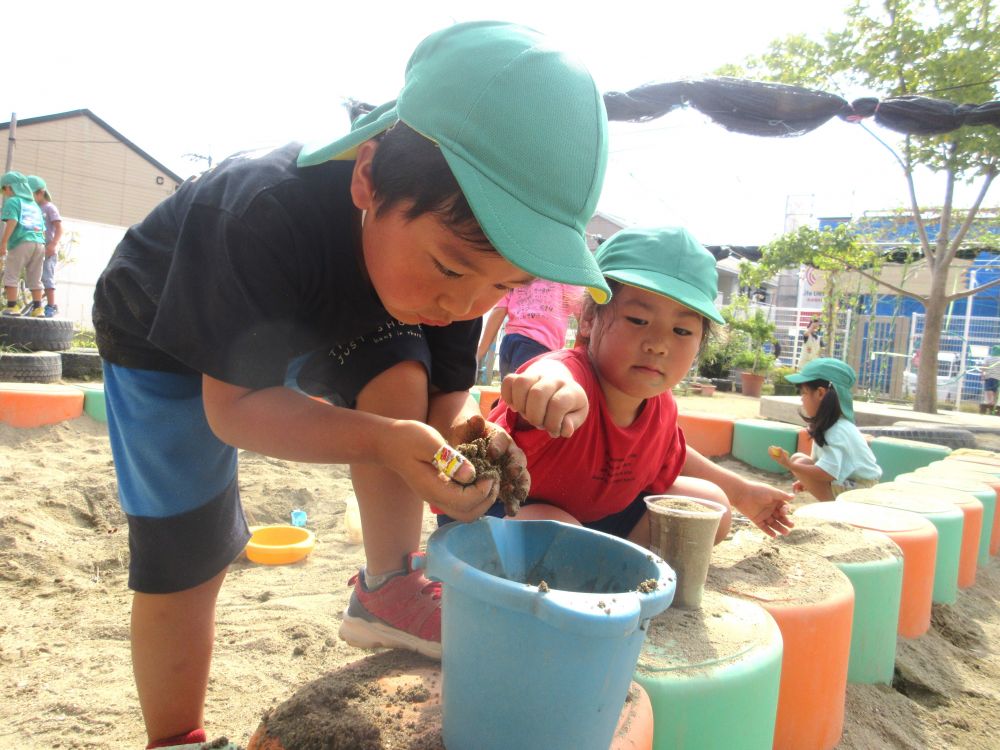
[{"x": 245, "y": 268}]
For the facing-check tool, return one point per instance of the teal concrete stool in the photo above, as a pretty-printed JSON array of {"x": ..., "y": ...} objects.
[
  {"x": 897, "y": 456},
  {"x": 93, "y": 401},
  {"x": 752, "y": 437},
  {"x": 694, "y": 661},
  {"x": 873, "y": 563},
  {"x": 947, "y": 519},
  {"x": 981, "y": 491}
]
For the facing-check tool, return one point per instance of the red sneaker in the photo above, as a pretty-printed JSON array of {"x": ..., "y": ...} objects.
[{"x": 405, "y": 612}]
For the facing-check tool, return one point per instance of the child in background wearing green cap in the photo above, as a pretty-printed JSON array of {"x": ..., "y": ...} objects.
[
  {"x": 22, "y": 243},
  {"x": 841, "y": 459},
  {"x": 53, "y": 233},
  {"x": 598, "y": 423},
  {"x": 381, "y": 249}
]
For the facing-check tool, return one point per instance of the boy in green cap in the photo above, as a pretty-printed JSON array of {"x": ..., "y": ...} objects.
[
  {"x": 382, "y": 248},
  {"x": 598, "y": 423},
  {"x": 22, "y": 243},
  {"x": 841, "y": 459}
]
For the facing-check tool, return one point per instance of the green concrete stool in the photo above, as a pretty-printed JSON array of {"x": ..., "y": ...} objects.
[
  {"x": 93, "y": 401},
  {"x": 752, "y": 437},
  {"x": 982, "y": 492},
  {"x": 897, "y": 456},
  {"x": 727, "y": 653},
  {"x": 873, "y": 563},
  {"x": 947, "y": 519}
]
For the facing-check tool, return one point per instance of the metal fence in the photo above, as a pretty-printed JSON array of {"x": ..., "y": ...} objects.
[{"x": 885, "y": 350}]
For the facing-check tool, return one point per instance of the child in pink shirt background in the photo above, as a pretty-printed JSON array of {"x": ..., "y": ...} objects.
[{"x": 537, "y": 317}]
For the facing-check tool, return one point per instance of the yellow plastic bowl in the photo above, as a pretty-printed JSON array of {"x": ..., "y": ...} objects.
[{"x": 279, "y": 545}]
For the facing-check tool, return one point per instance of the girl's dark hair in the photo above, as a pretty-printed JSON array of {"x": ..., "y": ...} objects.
[
  {"x": 826, "y": 415},
  {"x": 592, "y": 308},
  {"x": 408, "y": 168}
]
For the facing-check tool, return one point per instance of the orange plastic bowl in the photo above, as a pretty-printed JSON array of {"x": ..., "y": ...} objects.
[{"x": 279, "y": 545}]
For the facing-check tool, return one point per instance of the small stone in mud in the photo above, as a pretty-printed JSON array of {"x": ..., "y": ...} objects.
[
  {"x": 543, "y": 586},
  {"x": 648, "y": 586}
]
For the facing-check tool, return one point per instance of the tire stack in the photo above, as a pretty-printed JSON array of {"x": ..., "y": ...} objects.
[{"x": 30, "y": 348}]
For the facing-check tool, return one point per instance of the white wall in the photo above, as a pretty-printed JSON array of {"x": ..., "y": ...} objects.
[{"x": 87, "y": 247}]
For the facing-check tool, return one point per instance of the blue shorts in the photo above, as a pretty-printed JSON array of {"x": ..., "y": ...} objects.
[
  {"x": 618, "y": 524},
  {"x": 990, "y": 384},
  {"x": 515, "y": 350},
  {"x": 49, "y": 272},
  {"x": 176, "y": 480}
]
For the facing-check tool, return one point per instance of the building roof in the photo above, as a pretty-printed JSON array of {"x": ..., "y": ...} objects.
[{"x": 87, "y": 113}]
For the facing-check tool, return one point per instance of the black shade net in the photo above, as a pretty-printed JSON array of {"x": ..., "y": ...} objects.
[{"x": 781, "y": 110}]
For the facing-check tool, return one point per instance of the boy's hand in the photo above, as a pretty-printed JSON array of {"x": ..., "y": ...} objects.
[
  {"x": 766, "y": 506},
  {"x": 500, "y": 443},
  {"x": 408, "y": 448},
  {"x": 546, "y": 396},
  {"x": 797, "y": 486},
  {"x": 50, "y": 250}
]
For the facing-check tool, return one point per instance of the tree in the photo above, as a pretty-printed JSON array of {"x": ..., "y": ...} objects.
[
  {"x": 831, "y": 250},
  {"x": 897, "y": 48}
]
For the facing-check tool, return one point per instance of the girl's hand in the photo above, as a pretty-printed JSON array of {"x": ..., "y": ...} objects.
[
  {"x": 780, "y": 456},
  {"x": 408, "y": 447},
  {"x": 547, "y": 397},
  {"x": 797, "y": 486},
  {"x": 766, "y": 506}
]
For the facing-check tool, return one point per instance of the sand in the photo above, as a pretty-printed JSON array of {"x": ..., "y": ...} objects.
[{"x": 64, "y": 651}]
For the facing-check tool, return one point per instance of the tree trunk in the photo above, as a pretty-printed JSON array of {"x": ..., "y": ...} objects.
[{"x": 930, "y": 343}]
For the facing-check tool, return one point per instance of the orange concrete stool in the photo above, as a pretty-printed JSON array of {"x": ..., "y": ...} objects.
[
  {"x": 984, "y": 493},
  {"x": 972, "y": 529},
  {"x": 37, "y": 404},
  {"x": 487, "y": 395},
  {"x": 396, "y": 696},
  {"x": 915, "y": 536},
  {"x": 961, "y": 470},
  {"x": 813, "y": 604},
  {"x": 947, "y": 519},
  {"x": 709, "y": 434}
]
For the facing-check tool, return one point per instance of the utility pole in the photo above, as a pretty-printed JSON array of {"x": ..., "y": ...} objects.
[{"x": 11, "y": 138}]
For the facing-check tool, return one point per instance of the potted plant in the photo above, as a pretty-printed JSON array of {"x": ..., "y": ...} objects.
[
  {"x": 781, "y": 386},
  {"x": 754, "y": 330},
  {"x": 716, "y": 360}
]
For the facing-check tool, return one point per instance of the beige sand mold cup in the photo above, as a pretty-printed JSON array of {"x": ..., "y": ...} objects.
[{"x": 682, "y": 532}]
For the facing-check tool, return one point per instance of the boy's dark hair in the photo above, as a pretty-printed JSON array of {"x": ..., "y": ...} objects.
[
  {"x": 592, "y": 308},
  {"x": 409, "y": 168},
  {"x": 826, "y": 415}
]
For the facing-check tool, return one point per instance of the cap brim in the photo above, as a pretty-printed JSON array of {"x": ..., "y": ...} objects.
[
  {"x": 531, "y": 241},
  {"x": 346, "y": 148},
  {"x": 668, "y": 286},
  {"x": 796, "y": 377}
]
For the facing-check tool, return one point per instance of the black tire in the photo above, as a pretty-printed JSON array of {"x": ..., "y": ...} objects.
[
  {"x": 30, "y": 367},
  {"x": 36, "y": 334},
  {"x": 82, "y": 364},
  {"x": 950, "y": 437}
]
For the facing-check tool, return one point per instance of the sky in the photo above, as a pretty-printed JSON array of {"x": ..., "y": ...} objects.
[{"x": 214, "y": 77}]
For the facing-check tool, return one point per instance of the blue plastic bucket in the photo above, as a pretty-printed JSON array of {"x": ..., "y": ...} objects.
[{"x": 526, "y": 666}]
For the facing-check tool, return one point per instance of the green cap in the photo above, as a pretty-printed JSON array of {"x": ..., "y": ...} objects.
[
  {"x": 36, "y": 183},
  {"x": 523, "y": 129},
  {"x": 667, "y": 261},
  {"x": 18, "y": 183},
  {"x": 839, "y": 374}
]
